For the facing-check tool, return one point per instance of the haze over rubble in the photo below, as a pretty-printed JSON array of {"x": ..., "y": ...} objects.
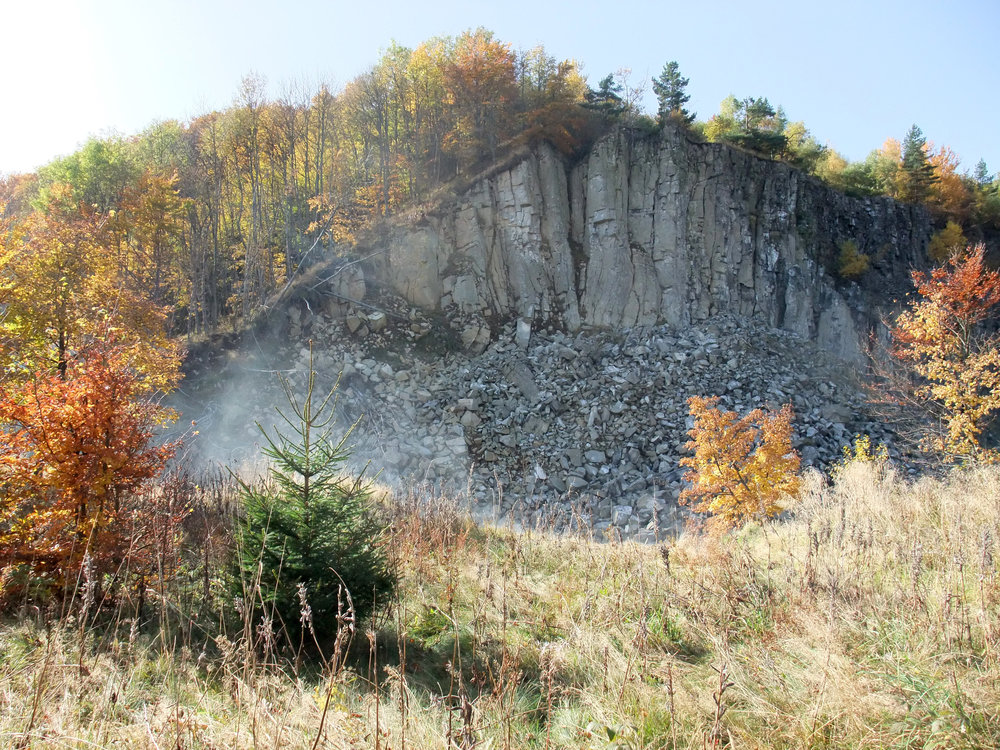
[
  {"x": 532, "y": 342},
  {"x": 560, "y": 429}
]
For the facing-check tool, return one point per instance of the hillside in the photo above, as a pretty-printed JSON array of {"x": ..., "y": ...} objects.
[
  {"x": 213, "y": 215},
  {"x": 433, "y": 347}
]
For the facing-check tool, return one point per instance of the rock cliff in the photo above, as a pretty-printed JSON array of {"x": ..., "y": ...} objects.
[{"x": 653, "y": 229}]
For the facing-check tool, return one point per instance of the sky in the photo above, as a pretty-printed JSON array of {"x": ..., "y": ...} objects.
[{"x": 856, "y": 72}]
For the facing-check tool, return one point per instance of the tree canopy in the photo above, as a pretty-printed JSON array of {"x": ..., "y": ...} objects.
[{"x": 752, "y": 123}]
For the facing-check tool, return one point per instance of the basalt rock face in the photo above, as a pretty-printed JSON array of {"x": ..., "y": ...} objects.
[{"x": 650, "y": 230}]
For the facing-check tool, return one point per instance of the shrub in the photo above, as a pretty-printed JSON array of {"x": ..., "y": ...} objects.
[
  {"x": 862, "y": 451},
  {"x": 310, "y": 536},
  {"x": 851, "y": 263}
]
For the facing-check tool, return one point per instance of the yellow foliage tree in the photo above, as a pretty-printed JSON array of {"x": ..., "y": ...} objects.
[
  {"x": 149, "y": 225},
  {"x": 742, "y": 467},
  {"x": 61, "y": 287},
  {"x": 886, "y": 167},
  {"x": 851, "y": 262},
  {"x": 950, "y": 192},
  {"x": 947, "y": 242},
  {"x": 481, "y": 82}
]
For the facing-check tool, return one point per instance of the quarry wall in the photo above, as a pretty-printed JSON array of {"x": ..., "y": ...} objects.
[{"x": 654, "y": 229}]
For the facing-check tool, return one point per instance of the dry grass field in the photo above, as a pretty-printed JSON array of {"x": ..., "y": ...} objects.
[{"x": 867, "y": 616}]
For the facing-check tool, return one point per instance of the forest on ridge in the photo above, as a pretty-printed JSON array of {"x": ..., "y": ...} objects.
[{"x": 206, "y": 219}]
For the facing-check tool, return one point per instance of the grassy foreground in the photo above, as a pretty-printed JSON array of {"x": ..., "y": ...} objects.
[{"x": 870, "y": 618}]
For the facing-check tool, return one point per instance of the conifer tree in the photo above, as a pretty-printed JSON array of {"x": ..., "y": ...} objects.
[
  {"x": 606, "y": 98},
  {"x": 309, "y": 530},
  {"x": 981, "y": 174},
  {"x": 670, "y": 89},
  {"x": 917, "y": 173}
]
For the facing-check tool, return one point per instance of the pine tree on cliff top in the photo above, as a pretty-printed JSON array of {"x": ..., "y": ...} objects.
[{"x": 670, "y": 89}]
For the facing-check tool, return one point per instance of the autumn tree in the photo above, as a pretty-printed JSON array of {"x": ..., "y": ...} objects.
[
  {"x": 430, "y": 114},
  {"x": 851, "y": 262},
  {"x": 942, "y": 340},
  {"x": 61, "y": 286},
  {"x": 550, "y": 95},
  {"x": 45, "y": 263},
  {"x": 742, "y": 467},
  {"x": 884, "y": 165},
  {"x": 947, "y": 242},
  {"x": 950, "y": 193},
  {"x": 535, "y": 68},
  {"x": 76, "y": 459},
  {"x": 211, "y": 264},
  {"x": 248, "y": 158},
  {"x": 150, "y": 224},
  {"x": 482, "y": 84}
]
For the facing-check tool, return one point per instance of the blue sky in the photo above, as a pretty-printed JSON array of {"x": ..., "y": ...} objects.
[{"x": 855, "y": 72}]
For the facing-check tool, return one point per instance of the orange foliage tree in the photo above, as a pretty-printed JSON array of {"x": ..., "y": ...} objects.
[
  {"x": 76, "y": 460},
  {"x": 553, "y": 113},
  {"x": 482, "y": 84},
  {"x": 82, "y": 353},
  {"x": 939, "y": 337},
  {"x": 742, "y": 466}
]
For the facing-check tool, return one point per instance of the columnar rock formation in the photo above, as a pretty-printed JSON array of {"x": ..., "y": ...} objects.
[{"x": 647, "y": 230}]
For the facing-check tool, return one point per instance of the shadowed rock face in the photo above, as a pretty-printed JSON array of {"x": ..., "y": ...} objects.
[{"x": 652, "y": 230}]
